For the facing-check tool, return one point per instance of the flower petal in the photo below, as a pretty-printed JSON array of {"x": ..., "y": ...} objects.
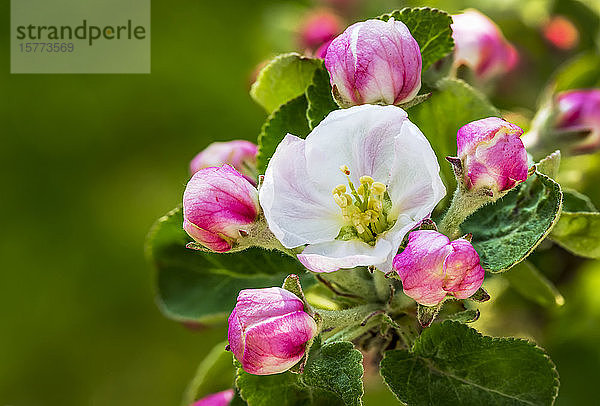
[
  {"x": 254, "y": 305},
  {"x": 420, "y": 266},
  {"x": 298, "y": 210},
  {"x": 278, "y": 343},
  {"x": 361, "y": 137},
  {"x": 463, "y": 273},
  {"x": 333, "y": 255},
  {"x": 415, "y": 184}
]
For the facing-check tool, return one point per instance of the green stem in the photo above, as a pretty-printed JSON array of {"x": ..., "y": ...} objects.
[
  {"x": 464, "y": 203},
  {"x": 347, "y": 317},
  {"x": 356, "y": 282},
  {"x": 382, "y": 286},
  {"x": 350, "y": 333}
]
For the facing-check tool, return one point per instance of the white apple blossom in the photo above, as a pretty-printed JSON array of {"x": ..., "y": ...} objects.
[{"x": 351, "y": 190}]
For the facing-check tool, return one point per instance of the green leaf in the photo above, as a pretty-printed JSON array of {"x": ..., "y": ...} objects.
[
  {"x": 203, "y": 286},
  {"x": 320, "y": 99},
  {"x": 215, "y": 374},
  {"x": 573, "y": 201},
  {"x": 289, "y": 118},
  {"x": 579, "y": 73},
  {"x": 579, "y": 233},
  {"x": 507, "y": 231},
  {"x": 283, "y": 389},
  {"x": 283, "y": 79},
  {"x": 431, "y": 29},
  {"x": 549, "y": 166},
  {"x": 453, "y": 105},
  {"x": 332, "y": 376},
  {"x": 532, "y": 284},
  {"x": 452, "y": 364},
  {"x": 336, "y": 367}
]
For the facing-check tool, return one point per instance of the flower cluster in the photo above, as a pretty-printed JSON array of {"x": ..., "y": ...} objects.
[{"x": 356, "y": 193}]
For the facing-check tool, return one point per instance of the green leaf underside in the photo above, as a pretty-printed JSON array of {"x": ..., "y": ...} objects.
[
  {"x": 320, "y": 99},
  {"x": 453, "y": 105},
  {"x": 430, "y": 28},
  {"x": 202, "y": 286},
  {"x": 533, "y": 285},
  {"x": 579, "y": 233},
  {"x": 578, "y": 229},
  {"x": 573, "y": 201},
  {"x": 283, "y": 79},
  {"x": 332, "y": 376},
  {"x": 336, "y": 367},
  {"x": 289, "y": 118},
  {"x": 452, "y": 364},
  {"x": 506, "y": 232},
  {"x": 215, "y": 373}
]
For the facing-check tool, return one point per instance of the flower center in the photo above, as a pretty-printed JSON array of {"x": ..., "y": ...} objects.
[{"x": 362, "y": 208}]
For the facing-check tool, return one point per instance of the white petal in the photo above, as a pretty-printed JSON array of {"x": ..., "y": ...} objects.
[
  {"x": 298, "y": 211},
  {"x": 361, "y": 137},
  {"x": 333, "y": 255},
  {"x": 415, "y": 187}
]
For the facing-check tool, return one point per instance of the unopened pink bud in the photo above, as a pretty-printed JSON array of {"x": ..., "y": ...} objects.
[
  {"x": 432, "y": 267},
  {"x": 318, "y": 28},
  {"x": 217, "y": 204},
  {"x": 579, "y": 110},
  {"x": 268, "y": 330},
  {"x": 216, "y": 399},
  {"x": 492, "y": 154},
  {"x": 374, "y": 62},
  {"x": 238, "y": 153},
  {"x": 480, "y": 45}
]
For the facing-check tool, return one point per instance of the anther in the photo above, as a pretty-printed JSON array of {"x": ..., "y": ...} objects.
[
  {"x": 366, "y": 180},
  {"x": 378, "y": 188},
  {"x": 345, "y": 170}
]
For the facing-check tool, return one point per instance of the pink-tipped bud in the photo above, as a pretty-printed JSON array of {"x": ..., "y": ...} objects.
[
  {"x": 239, "y": 153},
  {"x": 216, "y": 399},
  {"x": 492, "y": 154},
  {"x": 579, "y": 110},
  {"x": 269, "y": 330},
  {"x": 480, "y": 45},
  {"x": 432, "y": 267},
  {"x": 561, "y": 33},
  {"x": 217, "y": 204},
  {"x": 318, "y": 28},
  {"x": 374, "y": 62}
]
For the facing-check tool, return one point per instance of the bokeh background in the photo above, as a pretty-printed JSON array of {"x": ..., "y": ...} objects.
[{"x": 88, "y": 162}]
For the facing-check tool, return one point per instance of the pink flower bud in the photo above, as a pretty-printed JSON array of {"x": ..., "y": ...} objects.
[
  {"x": 492, "y": 154},
  {"x": 432, "y": 267},
  {"x": 216, "y": 399},
  {"x": 561, "y": 33},
  {"x": 268, "y": 330},
  {"x": 217, "y": 204},
  {"x": 239, "y": 153},
  {"x": 374, "y": 62},
  {"x": 479, "y": 44},
  {"x": 579, "y": 110},
  {"x": 319, "y": 27}
]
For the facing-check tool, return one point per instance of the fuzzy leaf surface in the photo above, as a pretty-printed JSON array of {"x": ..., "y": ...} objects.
[
  {"x": 507, "y": 231},
  {"x": 452, "y": 364},
  {"x": 203, "y": 286},
  {"x": 288, "y": 118}
]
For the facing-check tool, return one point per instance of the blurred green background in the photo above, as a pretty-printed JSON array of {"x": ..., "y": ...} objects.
[{"x": 88, "y": 162}]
